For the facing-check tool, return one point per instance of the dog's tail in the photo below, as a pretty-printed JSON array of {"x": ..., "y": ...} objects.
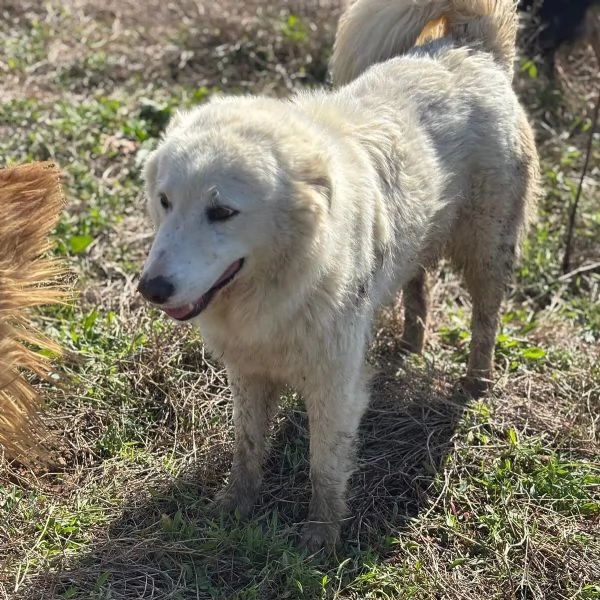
[
  {"x": 32, "y": 200},
  {"x": 372, "y": 31}
]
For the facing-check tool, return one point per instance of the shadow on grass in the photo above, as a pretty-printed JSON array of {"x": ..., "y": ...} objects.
[{"x": 168, "y": 545}]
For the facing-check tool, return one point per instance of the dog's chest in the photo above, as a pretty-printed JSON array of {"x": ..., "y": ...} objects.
[{"x": 280, "y": 356}]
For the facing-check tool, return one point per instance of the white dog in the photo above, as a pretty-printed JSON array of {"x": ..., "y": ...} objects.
[{"x": 283, "y": 225}]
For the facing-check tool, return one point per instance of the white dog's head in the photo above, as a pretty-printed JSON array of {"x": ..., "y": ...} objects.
[{"x": 234, "y": 207}]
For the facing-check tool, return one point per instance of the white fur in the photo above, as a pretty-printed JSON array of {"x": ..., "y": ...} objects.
[
  {"x": 344, "y": 198},
  {"x": 373, "y": 31}
]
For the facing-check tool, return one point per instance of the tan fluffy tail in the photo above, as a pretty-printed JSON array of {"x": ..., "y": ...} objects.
[
  {"x": 372, "y": 31},
  {"x": 31, "y": 200}
]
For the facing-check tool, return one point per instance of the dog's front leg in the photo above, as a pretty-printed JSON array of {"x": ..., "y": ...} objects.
[
  {"x": 334, "y": 409},
  {"x": 254, "y": 398}
]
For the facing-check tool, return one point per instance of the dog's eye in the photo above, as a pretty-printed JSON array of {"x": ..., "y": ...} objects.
[
  {"x": 220, "y": 213},
  {"x": 164, "y": 201}
]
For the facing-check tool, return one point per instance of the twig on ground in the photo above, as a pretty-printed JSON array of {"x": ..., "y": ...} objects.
[{"x": 579, "y": 271}]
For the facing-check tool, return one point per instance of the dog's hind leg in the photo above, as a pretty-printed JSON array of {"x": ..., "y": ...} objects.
[
  {"x": 488, "y": 268},
  {"x": 254, "y": 398},
  {"x": 416, "y": 304},
  {"x": 485, "y": 255},
  {"x": 487, "y": 244},
  {"x": 335, "y": 409},
  {"x": 487, "y": 290}
]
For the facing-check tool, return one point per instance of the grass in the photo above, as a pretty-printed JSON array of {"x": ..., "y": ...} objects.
[{"x": 498, "y": 498}]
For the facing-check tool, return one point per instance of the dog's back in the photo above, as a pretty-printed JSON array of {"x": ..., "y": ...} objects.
[
  {"x": 459, "y": 87},
  {"x": 452, "y": 101}
]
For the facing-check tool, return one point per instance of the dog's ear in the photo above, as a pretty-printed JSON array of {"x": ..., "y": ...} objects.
[
  {"x": 314, "y": 176},
  {"x": 150, "y": 175},
  {"x": 150, "y": 170},
  {"x": 321, "y": 183}
]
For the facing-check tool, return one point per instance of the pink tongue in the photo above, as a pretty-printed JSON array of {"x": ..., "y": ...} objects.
[{"x": 179, "y": 311}]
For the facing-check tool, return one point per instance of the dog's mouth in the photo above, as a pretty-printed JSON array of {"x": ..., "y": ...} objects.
[{"x": 193, "y": 309}]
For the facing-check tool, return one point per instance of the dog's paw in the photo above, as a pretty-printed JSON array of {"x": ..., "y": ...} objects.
[
  {"x": 319, "y": 536},
  {"x": 233, "y": 499}
]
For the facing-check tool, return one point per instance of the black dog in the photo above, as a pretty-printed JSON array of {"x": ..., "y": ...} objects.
[{"x": 558, "y": 22}]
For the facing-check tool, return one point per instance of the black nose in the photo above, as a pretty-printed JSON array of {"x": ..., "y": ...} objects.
[{"x": 157, "y": 289}]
